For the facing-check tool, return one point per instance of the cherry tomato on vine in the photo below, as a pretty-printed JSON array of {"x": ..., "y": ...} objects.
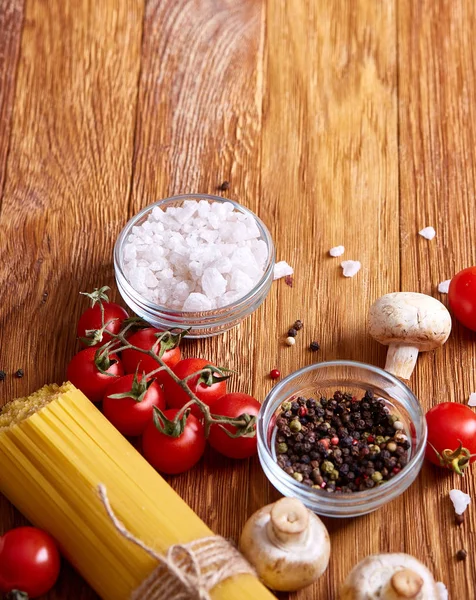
[
  {"x": 205, "y": 387},
  {"x": 462, "y": 297},
  {"x": 29, "y": 561},
  {"x": 132, "y": 411},
  {"x": 84, "y": 372},
  {"x": 148, "y": 340},
  {"x": 451, "y": 435},
  {"x": 234, "y": 405},
  {"x": 92, "y": 318},
  {"x": 174, "y": 454}
]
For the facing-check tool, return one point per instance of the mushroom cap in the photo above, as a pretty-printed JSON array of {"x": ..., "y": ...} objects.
[
  {"x": 286, "y": 566},
  {"x": 369, "y": 576},
  {"x": 409, "y": 319}
]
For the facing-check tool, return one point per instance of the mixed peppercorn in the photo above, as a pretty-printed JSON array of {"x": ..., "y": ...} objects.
[{"x": 340, "y": 444}]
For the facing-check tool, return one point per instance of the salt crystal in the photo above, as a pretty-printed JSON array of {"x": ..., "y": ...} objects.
[
  {"x": 213, "y": 282},
  {"x": 281, "y": 269},
  {"x": 228, "y": 298},
  {"x": 197, "y": 303},
  {"x": 130, "y": 252},
  {"x": 151, "y": 280},
  {"x": 460, "y": 500},
  {"x": 350, "y": 267},
  {"x": 223, "y": 264},
  {"x": 444, "y": 286},
  {"x": 428, "y": 233},
  {"x": 240, "y": 282},
  {"x": 442, "y": 591},
  {"x": 260, "y": 252},
  {"x": 472, "y": 399},
  {"x": 337, "y": 251}
]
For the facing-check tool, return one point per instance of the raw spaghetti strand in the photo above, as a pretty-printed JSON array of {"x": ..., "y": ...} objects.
[{"x": 188, "y": 571}]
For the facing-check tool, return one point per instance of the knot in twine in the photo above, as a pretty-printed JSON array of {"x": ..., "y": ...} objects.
[{"x": 187, "y": 571}]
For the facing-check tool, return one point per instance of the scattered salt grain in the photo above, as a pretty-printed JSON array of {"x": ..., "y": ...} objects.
[
  {"x": 282, "y": 269},
  {"x": 337, "y": 251},
  {"x": 442, "y": 591},
  {"x": 472, "y": 399},
  {"x": 195, "y": 257},
  {"x": 444, "y": 286},
  {"x": 428, "y": 233},
  {"x": 350, "y": 267},
  {"x": 460, "y": 501}
]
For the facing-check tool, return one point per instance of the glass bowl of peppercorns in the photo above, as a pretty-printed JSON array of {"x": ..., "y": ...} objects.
[{"x": 343, "y": 437}]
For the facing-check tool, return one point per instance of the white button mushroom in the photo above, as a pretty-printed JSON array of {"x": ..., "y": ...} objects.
[
  {"x": 287, "y": 544},
  {"x": 390, "y": 577},
  {"x": 408, "y": 323}
]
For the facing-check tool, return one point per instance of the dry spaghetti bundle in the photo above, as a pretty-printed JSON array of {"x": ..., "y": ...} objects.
[{"x": 56, "y": 450}]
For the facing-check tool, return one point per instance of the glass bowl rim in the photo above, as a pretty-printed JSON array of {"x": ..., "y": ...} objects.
[
  {"x": 193, "y": 315},
  {"x": 312, "y": 494}
]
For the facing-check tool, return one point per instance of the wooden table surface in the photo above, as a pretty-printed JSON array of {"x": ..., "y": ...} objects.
[{"x": 350, "y": 122}]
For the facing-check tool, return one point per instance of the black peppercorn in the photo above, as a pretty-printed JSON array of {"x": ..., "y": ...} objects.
[
  {"x": 224, "y": 186},
  {"x": 292, "y": 332},
  {"x": 461, "y": 554},
  {"x": 2, "y": 375},
  {"x": 298, "y": 325},
  {"x": 19, "y": 373},
  {"x": 314, "y": 346}
]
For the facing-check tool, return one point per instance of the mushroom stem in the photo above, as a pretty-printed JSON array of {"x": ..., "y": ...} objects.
[
  {"x": 401, "y": 360},
  {"x": 289, "y": 522},
  {"x": 404, "y": 584}
]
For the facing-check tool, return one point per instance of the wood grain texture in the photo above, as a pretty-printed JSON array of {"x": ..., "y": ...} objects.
[
  {"x": 11, "y": 19},
  {"x": 437, "y": 115},
  {"x": 337, "y": 122}
]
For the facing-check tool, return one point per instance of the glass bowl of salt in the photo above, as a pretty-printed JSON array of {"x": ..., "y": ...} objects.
[{"x": 194, "y": 261}]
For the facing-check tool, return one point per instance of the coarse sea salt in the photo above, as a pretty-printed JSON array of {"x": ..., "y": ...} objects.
[
  {"x": 282, "y": 269},
  {"x": 444, "y": 286},
  {"x": 337, "y": 251},
  {"x": 350, "y": 267},
  {"x": 472, "y": 399},
  {"x": 460, "y": 500},
  {"x": 442, "y": 591},
  {"x": 428, "y": 233},
  {"x": 195, "y": 257}
]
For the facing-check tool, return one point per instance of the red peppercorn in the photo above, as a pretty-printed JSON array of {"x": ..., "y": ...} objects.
[
  {"x": 355, "y": 442},
  {"x": 334, "y": 441},
  {"x": 302, "y": 412},
  {"x": 275, "y": 374},
  {"x": 325, "y": 443},
  {"x": 323, "y": 484},
  {"x": 396, "y": 470},
  {"x": 358, "y": 481},
  {"x": 371, "y": 439}
]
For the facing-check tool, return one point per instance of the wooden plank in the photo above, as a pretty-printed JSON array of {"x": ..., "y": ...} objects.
[
  {"x": 11, "y": 19},
  {"x": 199, "y": 123},
  {"x": 437, "y": 114},
  {"x": 67, "y": 190},
  {"x": 329, "y": 177}
]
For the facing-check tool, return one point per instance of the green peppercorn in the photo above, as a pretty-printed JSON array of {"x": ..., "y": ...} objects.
[
  {"x": 391, "y": 446},
  {"x": 379, "y": 440},
  {"x": 377, "y": 476},
  {"x": 295, "y": 425},
  {"x": 286, "y": 406},
  {"x": 334, "y": 475},
  {"x": 327, "y": 466},
  {"x": 298, "y": 476},
  {"x": 392, "y": 419},
  {"x": 282, "y": 448}
]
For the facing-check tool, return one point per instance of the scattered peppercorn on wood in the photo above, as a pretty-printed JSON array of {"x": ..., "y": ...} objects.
[{"x": 55, "y": 448}]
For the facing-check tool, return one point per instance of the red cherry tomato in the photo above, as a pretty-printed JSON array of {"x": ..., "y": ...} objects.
[
  {"x": 132, "y": 413},
  {"x": 177, "y": 397},
  {"x": 234, "y": 405},
  {"x": 462, "y": 297},
  {"x": 449, "y": 425},
  {"x": 29, "y": 561},
  {"x": 91, "y": 319},
  {"x": 84, "y": 374},
  {"x": 174, "y": 454},
  {"x": 147, "y": 339}
]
